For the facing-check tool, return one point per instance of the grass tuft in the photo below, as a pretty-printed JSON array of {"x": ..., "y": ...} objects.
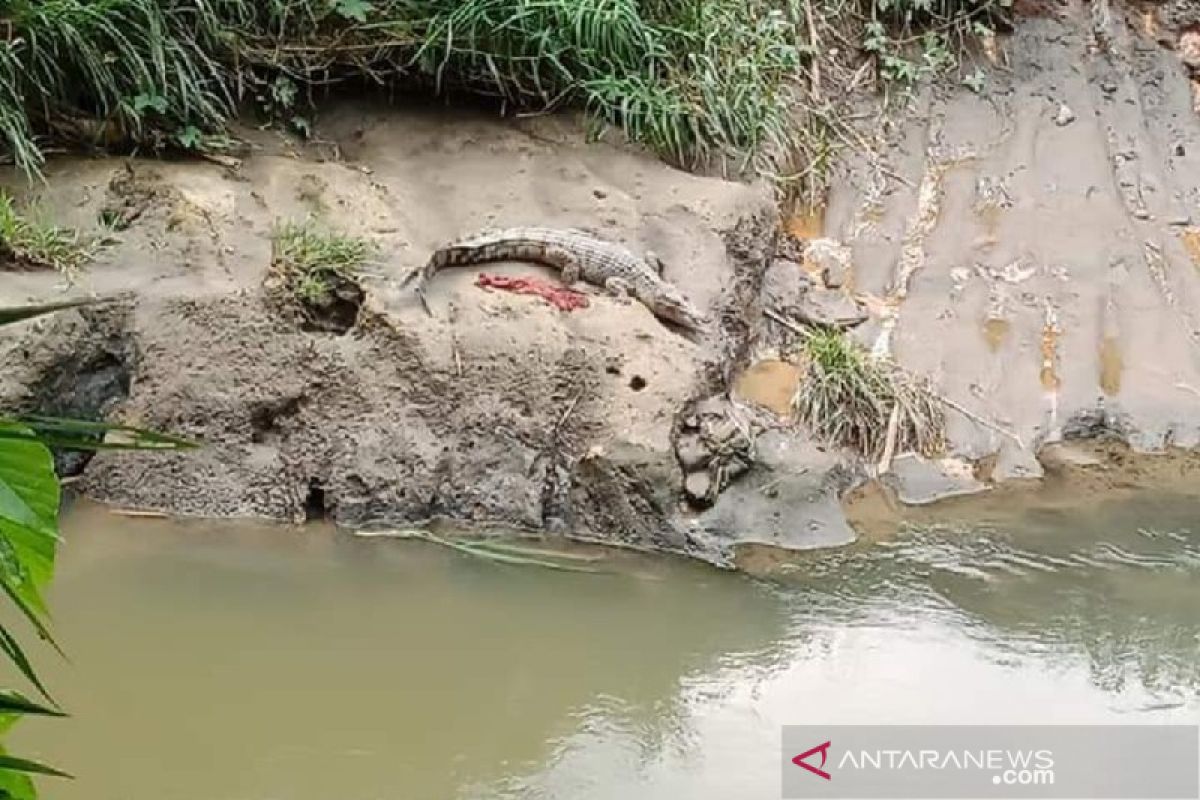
[
  {"x": 847, "y": 398},
  {"x": 314, "y": 264},
  {"x": 30, "y": 242}
]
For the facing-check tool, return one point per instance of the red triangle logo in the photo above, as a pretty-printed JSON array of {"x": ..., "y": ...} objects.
[{"x": 823, "y": 749}]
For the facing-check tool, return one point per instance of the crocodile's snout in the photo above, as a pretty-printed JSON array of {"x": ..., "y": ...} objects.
[{"x": 679, "y": 311}]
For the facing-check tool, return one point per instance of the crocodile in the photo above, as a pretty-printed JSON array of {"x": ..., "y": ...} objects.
[{"x": 577, "y": 255}]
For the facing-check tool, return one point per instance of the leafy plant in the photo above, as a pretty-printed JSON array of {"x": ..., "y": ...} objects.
[
  {"x": 688, "y": 79},
  {"x": 98, "y": 72},
  {"x": 29, "y": 504},
  {"x": 847, "y": 397},
  {"x": 314, "y": 263},
  {"x": 353, "y": 10},
  {"x": 29, "y": 242}
]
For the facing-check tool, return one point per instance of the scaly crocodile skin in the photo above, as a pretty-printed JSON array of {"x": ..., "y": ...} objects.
[{"x": 577, "y": 255}]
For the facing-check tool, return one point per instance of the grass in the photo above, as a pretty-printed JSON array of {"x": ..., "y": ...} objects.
[
  {"x": 847, "y": 398},
  {"x": 102, "y": 72},
  {"x": 757, "y": 84},
  {"x": 313, "y": 264},
  {"x": 693, "y": 80},
  {"x": 30, "y": 242}
]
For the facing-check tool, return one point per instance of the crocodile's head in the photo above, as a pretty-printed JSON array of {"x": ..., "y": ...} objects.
[{"x": 672, "y": 306}]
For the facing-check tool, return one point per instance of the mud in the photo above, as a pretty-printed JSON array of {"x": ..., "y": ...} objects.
[
  {"x": 1032, "y": 249},
  {"x": 1076, "y": 474},
  {"x": 1038, "y": 269},
  {"x": 497, "y": 408}
]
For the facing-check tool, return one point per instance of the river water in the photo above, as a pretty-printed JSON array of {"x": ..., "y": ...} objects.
[{"x": 211, "y": 661}]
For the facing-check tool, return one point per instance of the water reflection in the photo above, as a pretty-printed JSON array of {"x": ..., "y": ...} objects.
[{"x": 214, "y": 662}]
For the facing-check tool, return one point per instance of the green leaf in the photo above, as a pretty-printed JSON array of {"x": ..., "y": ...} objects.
[
  {"x": 16, "y": 655},
  {"x": 15, "y": 703},
  {"x": 354, "y": 10},
  {"x": 144, "y": 101},
  {"x": 28, "y": 488},
  {"x": 31, "y": 614},
  {"x": 10, "y": 315},
  {"x": 14, "y": 764},
  {"x": 86, "y": 435},
  {"x": 29, "y": 498},
  {"x": 189, "y": 137},
  {"x": 16, "y": 785}
]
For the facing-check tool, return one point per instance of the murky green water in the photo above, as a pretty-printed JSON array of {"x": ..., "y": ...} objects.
[{"x": 216, "y": 662}]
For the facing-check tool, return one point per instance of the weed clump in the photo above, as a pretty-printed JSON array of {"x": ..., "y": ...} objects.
[
  {"x": 318, "y": 271},
  {"x": 848, "y": 398},
  {"x": 28, "y": 242},
  {"x": 691, "y": 80},
  {"x": 758, "y": 83}
]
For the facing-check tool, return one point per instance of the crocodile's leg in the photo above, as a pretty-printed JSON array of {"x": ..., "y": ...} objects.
[
  {"x": 655, "y": 262},
  {"x": 619, "y": 288},
  {"x": 570, "y": 272}
]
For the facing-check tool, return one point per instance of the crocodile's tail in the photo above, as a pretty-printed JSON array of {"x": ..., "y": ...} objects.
[
  {"x": 422, "y": 276},
  {"x": 477, "y": 250}
]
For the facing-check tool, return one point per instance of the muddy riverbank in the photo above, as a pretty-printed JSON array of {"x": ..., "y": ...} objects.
[{"x": 1041, "y": 271}]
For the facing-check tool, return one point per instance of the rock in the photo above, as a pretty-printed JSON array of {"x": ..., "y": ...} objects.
[
  {"x": 919, "y": 481},
  {"x": 790, "y": 498},
  {"x": 1189, "y": 49},
  {"x": 1069, "y": 455},
  {"x": 698, "y": 485},
  {"x": 784, "y": 285},
  {"x": 789, "y": 247},
  {"x": 831, "y": 260},
  {"x": 831, "y": 308},
  {"x": 1065, "y": 115},
  {"x": 1016, "y": 463},
  {"x": 691, "y": 452},
  {"x": 718, "y": 444}
]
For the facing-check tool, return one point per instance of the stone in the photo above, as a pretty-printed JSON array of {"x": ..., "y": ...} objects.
[
  {"x": 1189, "y": 48},
  {"x": 1065, "y": 115},
  {"x": 920, "y": 481},
  {"x": 790, "y": 499},
  {"x": 697, "y": 485},
  {"x": 691, "y": 452},
  {"x": 784, "y": 285},
  {"x": 831, "y": 260},
  {"x": 1016, "y": 463},
  {"x": 831, "y": 308}
]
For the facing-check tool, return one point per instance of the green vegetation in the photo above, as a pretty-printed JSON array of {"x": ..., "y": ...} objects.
[
  {"x": 314, "y": 265},
  {"x": 848, "y": 398},
  {"x": 109, "y": 71},
  {"x": 29, "y": 503},
  {"x": 29, "y": 242},
  {"x": 914, "y": 40},
  {"x": 758, "y": 83},
  {"x": 689, "y": 79}
]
